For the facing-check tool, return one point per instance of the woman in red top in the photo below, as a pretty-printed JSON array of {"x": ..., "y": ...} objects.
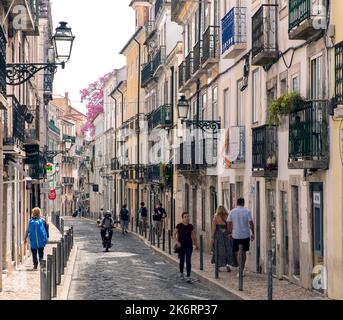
[{"x": 185, "y": 238}]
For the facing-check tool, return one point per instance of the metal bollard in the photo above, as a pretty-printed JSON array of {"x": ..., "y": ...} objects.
[
  {"x": 62, "y": 256},
  {"x": 158, "y": 238},
  {"x": 240, "y": 283},
  {"x": 65, "y": 250},
  {"x": 58, "y": 263},
  {"x": 72, "y": 236},
  {"x": 145, "y": 231},
  {"x": 270, "y": 275},
  {"x": 54, "y": 272},
  {"x": 43, "y": 282},
  {"x": 201, "y": 252},
  {"x": 153, "y": 236},
  {"x": 216, "y": 258},
  {"x": 164, "y": 240},
  {"x": 49, "y": 276},
  {"x": 169, "y": 242},
  {"x": 132, "y": 224},
  {"x": 62, "y": 226}
]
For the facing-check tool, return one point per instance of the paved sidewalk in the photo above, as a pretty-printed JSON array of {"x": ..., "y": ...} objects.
[
  {"x": 255, "y": 285},
  {"x": 24, "y": 282}
]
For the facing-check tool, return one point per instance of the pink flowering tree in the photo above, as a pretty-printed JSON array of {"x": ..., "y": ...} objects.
[{"x": 93, "y": 96}]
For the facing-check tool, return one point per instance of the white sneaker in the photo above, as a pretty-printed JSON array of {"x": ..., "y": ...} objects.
[
  {"x": 182, "y": 276},
  {"x": 189, "y": 280}
]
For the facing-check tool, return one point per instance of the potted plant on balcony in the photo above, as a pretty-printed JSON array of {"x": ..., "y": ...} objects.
[
  {"x": 283, "y": 106},
  {"x": 164, "y": 173}
]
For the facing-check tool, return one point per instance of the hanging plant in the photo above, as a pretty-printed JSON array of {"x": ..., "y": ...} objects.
[
  {"x": 164, "y": 173},
  {"x": 283, "y": 106}
]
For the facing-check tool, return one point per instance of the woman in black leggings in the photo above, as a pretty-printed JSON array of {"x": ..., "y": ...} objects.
[{"x": 184, "y": 236}]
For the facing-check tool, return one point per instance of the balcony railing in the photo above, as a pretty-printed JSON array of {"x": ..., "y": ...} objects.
[
  {"x": 264, "y": 35},
  {"x": 339, "y": 73},
  {"x": 67, "y": 137},
  {"x": 159, "y": 58},
  {"x": 147, "y": 73},
  {"x": 234, "y": 32},
  {"x": 52, "y": 126},
  {"x": 196, "y": 155},
  {"x": 181, "y": 75},
  {"x": 68, "y": 181},
  {"x": 162, "y": 117},
  {"x": 197, "y": 53},
  {"x": 17, "y": 137},
  {"x": 301, "y": 15},
  {"x": 116, "y": 165},
  {"x": 156, "y": 174},
  {"x": 2, "y": 63},
  {"x": 189, "y": 66},
  {"x": 176, "y": 7},
  {"x": 210, "y": 48},
  {"x": 68, "y": 160},
  {"x": 265, "y": 151},
  {"x": 308, "y": 136}
]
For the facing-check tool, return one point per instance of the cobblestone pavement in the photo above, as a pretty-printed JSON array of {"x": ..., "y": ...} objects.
[
  {"x": 24, "y": 282},
  {"x": 255, "y": 285},
  {"x": 131, "y": 270}
]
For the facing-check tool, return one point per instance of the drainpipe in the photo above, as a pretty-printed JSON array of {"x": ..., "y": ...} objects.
[
  {"x": 115, "y": 157},
  {"x": 138, "y": 129},
  {"x": 122, "y": 121},
  {"x": 172, "y": 93},
  {"x": 1, "y": 204}
]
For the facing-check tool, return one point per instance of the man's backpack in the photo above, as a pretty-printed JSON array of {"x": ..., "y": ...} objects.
[
  {"x": 144, "y": 212},
  {"x": 124, "y": 214}
]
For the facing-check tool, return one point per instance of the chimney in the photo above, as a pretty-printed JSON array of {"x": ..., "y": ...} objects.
[{"x": 66, "y": 96}]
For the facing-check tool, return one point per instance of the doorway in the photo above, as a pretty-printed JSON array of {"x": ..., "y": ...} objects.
[{"x": 295, "y": 231}]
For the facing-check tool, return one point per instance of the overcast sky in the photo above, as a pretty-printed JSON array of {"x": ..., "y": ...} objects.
[{"x": 102, "y": 28}]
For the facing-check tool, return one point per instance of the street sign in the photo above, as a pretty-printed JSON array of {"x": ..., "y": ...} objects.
[
  {"x": 52, "y": 194},
  {"x": 50, "y": 169}
]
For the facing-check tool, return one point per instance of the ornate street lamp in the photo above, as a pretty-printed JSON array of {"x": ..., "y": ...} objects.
[
  {"x": 63, "y": 42},
  {"x": 19, "y": 73},
  {"x": 204, "y": 125}
]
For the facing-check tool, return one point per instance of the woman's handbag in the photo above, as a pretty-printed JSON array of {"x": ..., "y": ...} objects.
[{"x": 176, "y": 248}]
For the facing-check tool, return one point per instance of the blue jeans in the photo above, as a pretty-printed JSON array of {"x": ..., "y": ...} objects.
[
  {"x": 186, "y": 252},
  {"x": 40, "y": 252}
]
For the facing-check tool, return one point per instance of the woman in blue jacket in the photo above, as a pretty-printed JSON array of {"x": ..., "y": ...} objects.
[{"x": 37, "y": 231}]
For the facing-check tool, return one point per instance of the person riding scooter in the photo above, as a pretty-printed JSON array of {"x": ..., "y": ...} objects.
[{"x": 106, "y": 223}]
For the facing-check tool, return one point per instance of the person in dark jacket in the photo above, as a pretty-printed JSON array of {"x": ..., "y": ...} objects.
[
  {"x": 37, "y": 232},
  {"x": 124, "y": 219},
  {"x": 143, "y": 217}
]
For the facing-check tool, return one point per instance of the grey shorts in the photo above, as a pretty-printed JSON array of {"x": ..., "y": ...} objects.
[{"x": 124, "y": 224}]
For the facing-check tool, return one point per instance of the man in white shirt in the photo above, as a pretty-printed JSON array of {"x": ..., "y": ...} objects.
[{"x": 239, "y": 225}]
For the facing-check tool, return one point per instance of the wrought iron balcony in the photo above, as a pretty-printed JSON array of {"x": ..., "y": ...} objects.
[
  {"x": 14, "y": 134},
  {"x": 52, "y": 126},
  {"x": 67, "y": 137},
  {"x": 309, "y": 136},
  {"x": 3, "y": 42},
  {"x": 147, "y": 73},
  {"x": 181, "y": 75},
  {"x": 116, "y": 165},
  {"x": 68, "y": 160},
  {"x": 210, "y": 47},
  {"x": 197, "y": 54},
  {"x": 303, "y": 15},
  {"x": 161, "y": 117},
  {"x": 339, "y": 73},
  {"x": 159, "y": 59},
  {"x": 234, "y": 32},
  {"x": 176, "y": 8},
  {"x": 68, "y": 181},
  {"x": 264, "y": 35},
  {"x": 189, "y": 66},
  {"x": 192, "y": 157},
  {"x": 265, "y": 151},
  {"x": 159, "y": 174}
]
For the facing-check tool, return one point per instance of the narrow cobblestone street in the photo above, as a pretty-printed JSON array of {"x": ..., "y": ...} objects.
[{"x": 129, "y": 271}]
